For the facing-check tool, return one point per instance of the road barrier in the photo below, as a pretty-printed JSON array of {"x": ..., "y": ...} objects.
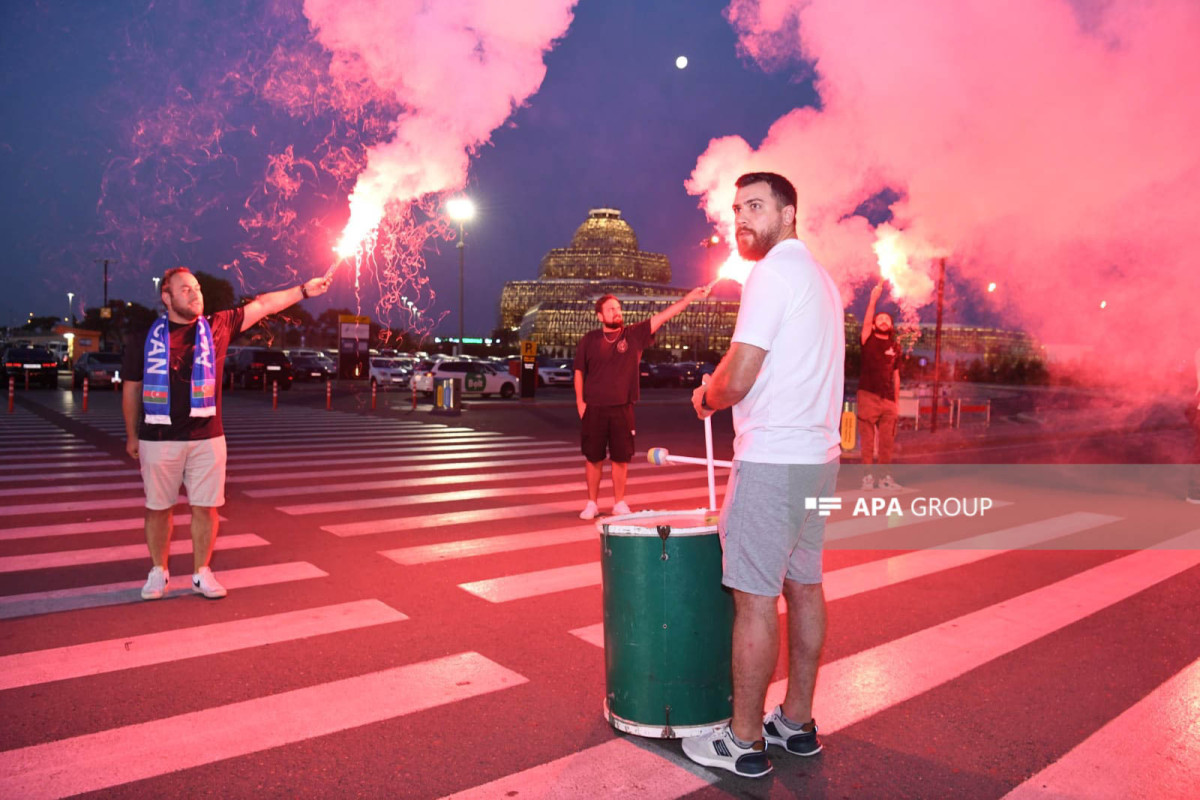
[
  {"x": 85, "y": 393},
  {"x": 328, "y": 395},
  {"x": 373, "y": 387},
  {"x": 275, "y": 395}
]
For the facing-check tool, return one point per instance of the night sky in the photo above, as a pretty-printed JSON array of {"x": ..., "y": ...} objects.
[{"x": 127, "y": 134}]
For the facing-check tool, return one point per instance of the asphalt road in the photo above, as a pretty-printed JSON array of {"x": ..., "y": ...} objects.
[{"x": 415, "y": 611}]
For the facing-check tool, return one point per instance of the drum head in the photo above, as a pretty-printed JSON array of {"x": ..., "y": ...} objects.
[{"x": 697, "y": 522}]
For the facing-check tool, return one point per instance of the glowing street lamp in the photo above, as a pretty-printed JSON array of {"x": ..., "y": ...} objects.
[
  {"x": 157, "y": 279},
  {"x": 71, "y": 308},
  {"x": 992, "y": 286},
  {"x": 461, "y": 210}
]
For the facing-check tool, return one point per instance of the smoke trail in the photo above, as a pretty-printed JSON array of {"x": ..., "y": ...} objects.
[
  {"x": 1047, "y": 146},
  {"x": 458, "y": 70},
  {"x": 265, "y": 120}
]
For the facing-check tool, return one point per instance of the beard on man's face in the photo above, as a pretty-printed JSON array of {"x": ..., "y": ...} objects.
[
  {"x": 754, "y": 246},
  {"x": 614, "y": 326}
]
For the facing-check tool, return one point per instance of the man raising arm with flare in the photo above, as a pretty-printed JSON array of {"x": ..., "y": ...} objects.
[
  {"x": 606, "y": 387},
  {"x": 171, "y": 401}
]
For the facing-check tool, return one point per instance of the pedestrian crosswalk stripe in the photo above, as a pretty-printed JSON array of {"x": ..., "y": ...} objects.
[
  {"x": 486, "y": 515},
  {"x": 453, "y": 465},
  {"x": 76, "y": 505},
  {"x": 490, "y": 545},
  {"x": 447, "y": 443},
  {"x": 46, "y": 477},
  {"x": 98, "y": 526},
  {"x": 131, "y": 652},
  {"x": 387, "y": 461},
  {"x": 535, "y": 584},
  {"x": 919, "y": 563},
  {"x": 70, "y": 488},
  {"x": 118, "y": 756},
  {"x": 128, "y": 552},
  {"x": 1152, "y": 749},
  {"x": 442, "y": 480},
  {"x": 855, "y": 687},
  {"x": 59, "y": 600},
  {"x": 618, "y": 768},
  {"x": 368, "y": 447},
  {"x": 450, "y": 497}
]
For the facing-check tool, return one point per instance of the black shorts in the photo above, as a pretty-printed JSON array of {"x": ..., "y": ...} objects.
[{"x": 607, "y": 430}]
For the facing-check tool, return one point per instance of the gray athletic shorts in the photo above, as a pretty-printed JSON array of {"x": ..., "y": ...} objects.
[{"x": 766, "y": 532}]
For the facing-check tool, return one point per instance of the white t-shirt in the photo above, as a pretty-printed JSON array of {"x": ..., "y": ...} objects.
[{"x": 792, "y": 309}]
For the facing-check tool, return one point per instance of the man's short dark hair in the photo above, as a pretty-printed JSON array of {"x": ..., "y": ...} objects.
[
  {"x": 171, "y": 273},
  {"x": 600, "y": 303},
  {"x": 781, "y": 187}
]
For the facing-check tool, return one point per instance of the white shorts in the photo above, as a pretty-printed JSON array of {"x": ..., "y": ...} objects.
[{"x": 198, "y": 465}]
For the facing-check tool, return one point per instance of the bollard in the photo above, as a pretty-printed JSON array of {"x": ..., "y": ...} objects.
[
  {"x": 328, "y": 395},
  {"x": 275, "y": 395},
  {"x": 12, "y": 390},
  {"x": 372, "y": 395},
  {"x": 413, "y": 383},
  {"x": 27, "y": 380},
  {"x": 85, "y": 394}
]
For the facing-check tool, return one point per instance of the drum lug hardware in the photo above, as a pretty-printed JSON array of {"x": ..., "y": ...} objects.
[
  {"x": 663, "y": 532},
  {"x": 668, "y": 731}
]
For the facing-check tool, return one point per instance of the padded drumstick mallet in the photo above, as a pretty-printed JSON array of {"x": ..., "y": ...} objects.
[{"x": 661, "y": 456}]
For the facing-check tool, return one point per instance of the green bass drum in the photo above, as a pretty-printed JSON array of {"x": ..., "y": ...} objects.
[{"x": 668, "y": 624}]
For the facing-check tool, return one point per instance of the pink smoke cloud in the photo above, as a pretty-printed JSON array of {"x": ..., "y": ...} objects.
[
  {"x": 458, "y": 70},
  {"x": 1047, "y": 146}
]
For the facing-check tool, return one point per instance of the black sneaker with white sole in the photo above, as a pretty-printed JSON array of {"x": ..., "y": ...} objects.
[
  {"x": 797, "y": 741},
  {"x": 718, "y": 749}
]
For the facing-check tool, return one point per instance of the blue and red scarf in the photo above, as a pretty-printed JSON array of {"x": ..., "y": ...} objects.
[{"x": 156, "y": 381}]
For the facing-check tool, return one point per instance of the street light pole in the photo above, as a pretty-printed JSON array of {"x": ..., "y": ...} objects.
[
  {"x": 461, "y": 209},
  {"x": 71, "y": 307},
  {"x": 462, "y": 258}
]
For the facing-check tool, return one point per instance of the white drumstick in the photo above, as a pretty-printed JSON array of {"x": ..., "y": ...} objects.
[
  {"x": 708, "y": 457},
  {"x": 660, "y": 456}
]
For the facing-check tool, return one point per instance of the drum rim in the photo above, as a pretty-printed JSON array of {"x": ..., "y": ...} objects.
[
  {"x": 624, "y": 525},
  {"x": 660, "y": 731}
]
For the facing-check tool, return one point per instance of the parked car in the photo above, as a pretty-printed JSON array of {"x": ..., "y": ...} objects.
[
  {"x": 693, "y": 372},
  {"x": 254, "y": 365},
  {"x": 645, "y": 375},
  {"x": 38, "y": 363},
  {"x": 477, "y": 377},
  {"x": 393, "y": 372},
  {"x": 311, "y": 368},
  {"x": 666, "y": 374},
  {"x": 557, "y": 372},
  {"x": 97, "y": 369}
]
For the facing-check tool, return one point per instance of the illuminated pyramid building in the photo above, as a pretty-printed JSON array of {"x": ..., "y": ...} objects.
[{"x": 603, "y": 258}]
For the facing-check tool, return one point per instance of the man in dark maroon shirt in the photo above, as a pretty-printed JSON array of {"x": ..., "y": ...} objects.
[
  {"x": 878, "y": 392},
  {"x": 606, "y": 387},
  {"x": 191, "y": 449}
]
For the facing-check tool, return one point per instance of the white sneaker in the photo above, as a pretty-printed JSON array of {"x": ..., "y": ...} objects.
[
  {"x": 890, "y": 485},
  {"x": 1193, "y": 500},
  {"x": 868, "y": 483},
  {"x": 621, "y": 508},
  {"x": 795, "y": 740},
  {"x": 156, "y": 584},
  {"x": 589, "y": 511},
  {"x": 718, "y": 749},
  {"x": 205, "y": 583}
]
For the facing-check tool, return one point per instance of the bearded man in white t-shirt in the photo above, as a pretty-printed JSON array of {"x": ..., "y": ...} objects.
[{"x": 783, "y": 377}]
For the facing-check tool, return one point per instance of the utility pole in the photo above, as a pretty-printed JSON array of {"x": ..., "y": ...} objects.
[
  {"x": 937, "y": 349},
  {"x": 104, "y": 309}
]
